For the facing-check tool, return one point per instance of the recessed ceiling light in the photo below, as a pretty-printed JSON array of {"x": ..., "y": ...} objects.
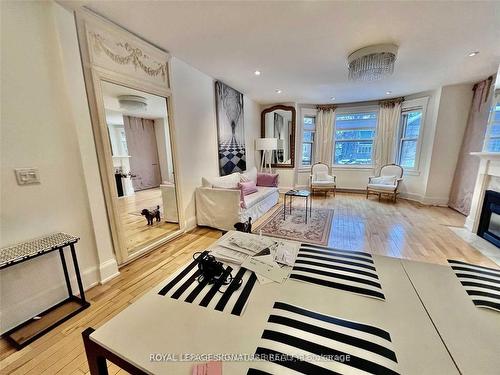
[
  {"x": 473, "y": 53},
  {"x": 388, "y": 92},
  {"x": 278, "y": 91},
  {"x": 257, "y": 72},
  {"x": 332, "y": 98}
]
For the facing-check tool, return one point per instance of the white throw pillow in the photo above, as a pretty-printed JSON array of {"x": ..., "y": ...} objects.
[
  {"x": 321, "y": 176},
  {"x": 384, "y": 180},
  {"x": 249, "y": 175},
  {"x": 226, "y": 182}
]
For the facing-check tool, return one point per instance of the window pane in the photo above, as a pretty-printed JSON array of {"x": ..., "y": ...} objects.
[
  {"x": 354, "y": 134},
  {"x": 495, "y": 130},
  {"x": 308, "y": 136},
  {"x": 307, "y": 154},
  {"x": 309, "y": 122},
  {"x": 408, "y": 154},
  {"x": 494, "y": 145},
  {"x": 356, "y": 120},
  {"x": 412, "y": 120},
  {"x": 353, "y": 152}
]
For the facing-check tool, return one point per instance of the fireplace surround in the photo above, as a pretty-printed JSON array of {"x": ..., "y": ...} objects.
[{"x": 489, "y": 222}]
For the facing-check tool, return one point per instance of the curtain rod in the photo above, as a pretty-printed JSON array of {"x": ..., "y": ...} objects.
[{"x": 326, "y": 107}]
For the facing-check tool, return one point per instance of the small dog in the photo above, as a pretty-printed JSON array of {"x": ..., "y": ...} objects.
[{"x": 151, "y": 215}]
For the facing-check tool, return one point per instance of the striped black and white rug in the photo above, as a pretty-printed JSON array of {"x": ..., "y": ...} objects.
[
  {"x": 482, "y": 284},
  {"x": 296, "y": 340},
  {"x": 232, "y": 298},
  {"x": 351, "y": 271}
]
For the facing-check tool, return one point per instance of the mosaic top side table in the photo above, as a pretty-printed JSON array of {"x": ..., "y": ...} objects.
[{"x": 37, "y": 326}]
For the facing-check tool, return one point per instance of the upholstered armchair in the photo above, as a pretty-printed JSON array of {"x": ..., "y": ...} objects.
[
  {"x": 321, "y": 179},
  {"x": 387, "y": 182}
]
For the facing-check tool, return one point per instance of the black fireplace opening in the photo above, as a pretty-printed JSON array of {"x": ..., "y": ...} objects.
[{"x": 489, "y": 223}]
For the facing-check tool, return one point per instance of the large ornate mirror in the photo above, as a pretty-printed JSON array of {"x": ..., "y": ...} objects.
[{"x": 279, "y": 122}]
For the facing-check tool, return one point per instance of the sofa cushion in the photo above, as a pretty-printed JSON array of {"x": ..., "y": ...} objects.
[
  {"x": 262, "y": 193},
  {"x": 230, "y": 181},
  {"x": 267, "y": 179},
  {"x": 383, "y": 187},
  {"x": 324, "y": 183},
  {"x": 384, "y": 180},
  {"x": 249, "y": 175}
]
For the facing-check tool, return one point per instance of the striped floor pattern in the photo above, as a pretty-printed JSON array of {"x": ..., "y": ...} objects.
[
  {"x": 233, "y": 298},
  {"x": 351, "y": 271},
  {"x": 294, "y": 339},
  {"x": 482, "y": 284}
]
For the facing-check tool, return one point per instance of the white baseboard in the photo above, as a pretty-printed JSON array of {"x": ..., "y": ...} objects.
[
  {"x": 428, "y": 201},
  {"x": 108, "y": 270}
]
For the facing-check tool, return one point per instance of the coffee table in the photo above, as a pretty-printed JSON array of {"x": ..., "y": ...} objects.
[{"x": 297, "y": 193}]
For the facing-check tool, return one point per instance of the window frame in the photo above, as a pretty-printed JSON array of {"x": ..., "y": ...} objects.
[
  {"x": 408, "y": 106},
  {"x": 306, "y": 112},
  {"x": 491, "y": 120},
  {"x": 345, "y": 110}
]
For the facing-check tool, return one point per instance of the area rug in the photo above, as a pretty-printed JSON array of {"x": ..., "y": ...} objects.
[{"x": 316, "y": 231}]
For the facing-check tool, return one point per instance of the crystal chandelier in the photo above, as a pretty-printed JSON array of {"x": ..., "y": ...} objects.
[{"x": 372, "y": 63}]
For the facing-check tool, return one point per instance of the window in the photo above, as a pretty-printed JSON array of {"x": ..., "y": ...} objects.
[
  {"x": 308, "y": 140},
  {"x": 410, "y": 125},
  {"x": 492, "y": 142},
  {"x": 354, "y": 133}
]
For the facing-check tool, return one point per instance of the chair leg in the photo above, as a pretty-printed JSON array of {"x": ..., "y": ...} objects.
[
  {"x": 366, "y": 193},
  {"x": 334, "y": 189},
  {"x": 379, "y": 196}
]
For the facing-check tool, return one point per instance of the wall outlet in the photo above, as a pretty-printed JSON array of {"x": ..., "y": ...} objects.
[{"x": 27, "y": 176}]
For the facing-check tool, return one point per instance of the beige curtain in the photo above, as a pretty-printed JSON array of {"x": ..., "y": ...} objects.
[
  {"x": 384, "y": 148},
  {"x": 467, "y": 168},
  {"x": 324, "y": 136}
]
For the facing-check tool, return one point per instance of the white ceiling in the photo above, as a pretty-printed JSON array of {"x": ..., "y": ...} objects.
[
  {"x": 301, "y": 47},
  {"x": 156, "y": 105}
]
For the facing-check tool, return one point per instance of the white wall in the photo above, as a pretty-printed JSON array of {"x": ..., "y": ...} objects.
[
  {"x": 39, "y": 130},
  {"x": 452, "y": 119},
  {"x": 196, "y": 130}
]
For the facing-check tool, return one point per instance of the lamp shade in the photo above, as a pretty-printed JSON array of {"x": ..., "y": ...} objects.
[{"x": 266, "y": 144}]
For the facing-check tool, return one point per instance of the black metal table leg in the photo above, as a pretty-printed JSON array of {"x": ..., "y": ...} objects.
[
  {"x": 306, "y": 208},
  {"x": 77, "y": 272},
  {"x": 284, "y": 207},
  {"x": 65, "y": 269},
  {"x": 310, "y": 205}
]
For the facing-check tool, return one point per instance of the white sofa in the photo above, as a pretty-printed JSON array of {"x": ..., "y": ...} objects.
[{"x": 218, "y": 201}]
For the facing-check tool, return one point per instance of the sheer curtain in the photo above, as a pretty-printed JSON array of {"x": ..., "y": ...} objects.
[
  {"x": 324, "y": 135},
  {"x": 384, "y": 151},
  {"x": 467, "y": 167}
]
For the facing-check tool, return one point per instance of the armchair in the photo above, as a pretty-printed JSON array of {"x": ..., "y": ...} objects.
[
  {"x": 387, "y": 182},
  {"x": 321, "y": 179}
]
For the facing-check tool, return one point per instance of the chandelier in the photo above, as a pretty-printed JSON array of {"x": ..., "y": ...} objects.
[{"x": 372, "y": 63}]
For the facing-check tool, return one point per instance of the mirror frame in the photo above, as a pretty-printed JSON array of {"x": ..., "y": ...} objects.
[
  {"x": 292, "y": 142},
  {"x": 96, "y": 70}
]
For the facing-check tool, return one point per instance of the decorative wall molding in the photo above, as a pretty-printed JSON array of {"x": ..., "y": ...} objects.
[{"x": 130, "y": 54}]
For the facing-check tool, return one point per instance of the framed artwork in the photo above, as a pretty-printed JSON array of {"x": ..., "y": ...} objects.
[{"x": 230, "y": 129}]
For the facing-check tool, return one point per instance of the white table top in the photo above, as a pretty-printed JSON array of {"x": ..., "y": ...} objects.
[{"x": 157, "y": 324}]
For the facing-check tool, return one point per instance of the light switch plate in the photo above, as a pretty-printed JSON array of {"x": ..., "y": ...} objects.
[{"x": 27, "y": 176}]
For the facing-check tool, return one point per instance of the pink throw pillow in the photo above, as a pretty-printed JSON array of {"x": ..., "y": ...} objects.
[
  {"x": 246, "y": 188},
  {"x": 267, "y": 179}
]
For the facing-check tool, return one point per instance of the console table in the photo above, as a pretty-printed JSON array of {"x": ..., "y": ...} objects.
[{"x": 37, "y": 326}]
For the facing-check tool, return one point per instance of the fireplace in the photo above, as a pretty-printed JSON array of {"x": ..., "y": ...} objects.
[{"x": 489, "y": 223}]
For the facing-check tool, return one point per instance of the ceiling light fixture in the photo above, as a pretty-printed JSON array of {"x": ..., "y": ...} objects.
[
  {"x": 473, "y": 53},
  {"x": 332, "y": 98},
  {"x": 388, "y": 92},
  {"x": 278, "y": 91},
  {"x": 132, "y": 102},
  {"x": 257, "y": 72},
  {"x": 372, "y": 63}
]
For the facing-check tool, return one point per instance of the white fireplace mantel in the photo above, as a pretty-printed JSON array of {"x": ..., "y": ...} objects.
[{"x": 488, "y": 167}]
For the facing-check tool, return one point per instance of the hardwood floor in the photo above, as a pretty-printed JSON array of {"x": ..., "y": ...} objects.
[
  {"x": 404, "y": 229},
  {"x": 137, "y": 233}
]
